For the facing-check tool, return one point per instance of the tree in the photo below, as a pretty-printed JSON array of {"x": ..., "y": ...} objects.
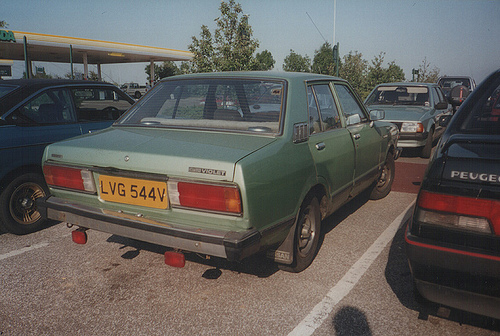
[
  {"x": 377, "y": 74},
  {"x": 203, "y": 52},
  {"x": 353, "y": 68},
  {"x": 427, "y": 75},
  {"x": 264, "y": 61},
  {"x": 394, "y": 73},
  {"x": 296, "y": 63},
  {"x": 323, "y": 60},
  {"x": 230, "y": 49},
  {"x": 166, "y": 69}
]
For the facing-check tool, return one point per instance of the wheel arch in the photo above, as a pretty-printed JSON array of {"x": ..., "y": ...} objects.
[{"x": 18, "y": 171}]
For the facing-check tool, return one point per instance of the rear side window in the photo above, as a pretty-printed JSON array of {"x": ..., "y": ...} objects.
[
  {"x": 50, "y": 107},
  {"x": 483, "y": 114},
  {"x": 4, "y": 89},
  {"x": 99, "y": 104},
  {"x": 323, "y": 113}
]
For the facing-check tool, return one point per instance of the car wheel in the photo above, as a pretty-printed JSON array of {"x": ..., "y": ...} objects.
[
  {"x": 307, "y": 233},
  {"x": 427, "y": 149},
  {"x": 137, "y": 95},
  {"x": 383, "y": 185},
  {"x": 18, "y": 212}
]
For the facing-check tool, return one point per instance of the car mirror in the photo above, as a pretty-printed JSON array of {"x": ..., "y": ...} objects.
[
  {"x": 353, "y": 119},
  {"x": 444, "y": 120},
  {"x": 377, "y": 115}
]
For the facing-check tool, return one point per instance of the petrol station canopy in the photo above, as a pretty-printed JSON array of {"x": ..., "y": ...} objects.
[{"x": 23, "y": 46}]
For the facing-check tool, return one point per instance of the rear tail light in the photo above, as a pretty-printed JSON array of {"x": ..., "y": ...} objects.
[
  {"x": 479, "y": 215},
  {"x": 69, "y": 178},
  {"x": 218, "y": 198}
]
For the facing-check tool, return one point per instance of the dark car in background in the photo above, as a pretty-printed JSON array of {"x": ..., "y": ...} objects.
[
  {"x": 33, "y": 114},
  {"x": 453, "y": 240},
  {"x": 415, "y": 108},
  {"x": 456, "y": 88}
]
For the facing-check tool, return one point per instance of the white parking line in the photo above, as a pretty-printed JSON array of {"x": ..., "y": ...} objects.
[
  {"x": 21, "y": 251},
  {"x": 323, "y": 309}
]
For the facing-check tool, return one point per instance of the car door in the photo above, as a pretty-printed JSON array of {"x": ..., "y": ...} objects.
[
  {"x": 330, "y": 143},
  {"x": 366, "y": 138},
  {"x": 98, "y": 107},
  {"x": 42, "y": 120}
]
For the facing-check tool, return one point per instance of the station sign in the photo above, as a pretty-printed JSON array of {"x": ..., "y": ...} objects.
[{"x": 7, "y": 36}]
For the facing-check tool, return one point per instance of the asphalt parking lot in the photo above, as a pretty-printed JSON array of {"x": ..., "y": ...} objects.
[{"x": 359, "y": 283}]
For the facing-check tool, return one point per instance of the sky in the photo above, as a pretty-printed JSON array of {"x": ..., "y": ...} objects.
[{"x": 458, "y": 37}]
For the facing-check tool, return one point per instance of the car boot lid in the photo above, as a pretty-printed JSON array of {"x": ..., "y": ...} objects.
[
  {"x": 472, "y": 159},
  {"x": 191, "y": 154}
]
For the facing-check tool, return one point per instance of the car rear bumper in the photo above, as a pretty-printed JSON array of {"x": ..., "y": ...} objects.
[
  {"x": 457, "y": 278},
  {"x": 232, "y": 245}
]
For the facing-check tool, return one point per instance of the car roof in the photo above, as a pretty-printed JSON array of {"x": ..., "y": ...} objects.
[
  {"x": 407, "y": 84},
  {"x": 48, "y": 82},
  {"x": 304, "y": 76}
]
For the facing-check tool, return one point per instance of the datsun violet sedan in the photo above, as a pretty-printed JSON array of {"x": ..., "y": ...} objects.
[
  {"x": 225, "y": 165},
  {"x": 415, "y": 108}
]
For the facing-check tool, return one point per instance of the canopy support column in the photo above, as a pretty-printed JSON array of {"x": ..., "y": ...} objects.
[{"x": 85, "y": 66}]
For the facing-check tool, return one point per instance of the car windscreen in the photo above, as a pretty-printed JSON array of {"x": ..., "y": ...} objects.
[
  {"x": 4, "y": 89},
  {"x": 399, "y": 95},
  {"x": 482, "y": 115},
  {"x": 248, "y": 105}
]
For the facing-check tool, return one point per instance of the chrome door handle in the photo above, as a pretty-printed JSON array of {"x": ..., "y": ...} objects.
[
  {"x": 320, "y": 146},
  {"x": 356, "y": 136}
]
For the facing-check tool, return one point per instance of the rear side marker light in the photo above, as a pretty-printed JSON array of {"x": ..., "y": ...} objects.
[
  {"x": 175, "y": 259},
  {"x": 69, "y": 178},
  {"x": 79, "y": 236},
  {"x": 479, "y": 215}
]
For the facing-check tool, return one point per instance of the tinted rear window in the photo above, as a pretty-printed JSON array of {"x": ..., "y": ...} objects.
[
  {"x": 250, "y": 105},
  {"x": 4, "y": 89},
  {"x": 482, "y": 115}
]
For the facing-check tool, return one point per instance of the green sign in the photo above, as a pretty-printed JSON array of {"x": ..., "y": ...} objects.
[{"x": 7, "y": 36}]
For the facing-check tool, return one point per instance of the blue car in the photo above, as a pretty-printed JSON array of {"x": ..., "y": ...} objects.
[
  {"x": 415, "y": 108},
  {"x": 33, "y": 114}
]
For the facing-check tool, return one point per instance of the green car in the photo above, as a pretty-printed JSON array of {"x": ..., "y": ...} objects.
[
  {"x": 415, "y": 108},
  {"x": 226, "y": 165}
]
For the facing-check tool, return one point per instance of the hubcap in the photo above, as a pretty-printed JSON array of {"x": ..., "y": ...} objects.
[
  {"x": 383, "y": 177},
  {"x": 22, "y": 203},
  {"x": 307, "y": 234}
]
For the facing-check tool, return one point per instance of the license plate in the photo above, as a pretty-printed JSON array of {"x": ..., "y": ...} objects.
[{"x": 126, "y": 190}]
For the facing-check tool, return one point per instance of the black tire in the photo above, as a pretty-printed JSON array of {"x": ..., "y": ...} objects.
[
  {"x": 137, "y": 95},
  {"x": 383, "y": 185},
  {"x": 427, "y": 149},
  {"x": 307, "y": 234},
  {"x": 18, "y": 212}
]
